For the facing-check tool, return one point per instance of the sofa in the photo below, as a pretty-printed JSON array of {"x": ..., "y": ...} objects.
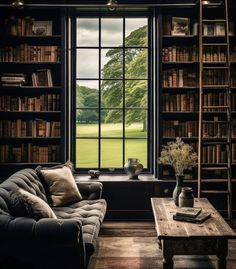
[{"x": 65, "y": 242}]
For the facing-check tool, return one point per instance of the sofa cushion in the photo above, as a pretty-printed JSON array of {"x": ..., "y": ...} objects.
[
  {"x": 61, "y": 184},
  {"x": 90, "y": 213},
  {"x": 25, "y": 204},
  {"x": 26, "y": 179}
]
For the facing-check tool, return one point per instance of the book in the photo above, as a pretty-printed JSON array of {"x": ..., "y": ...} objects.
[
  {"x": 191, "y": 212},
  {"x": 203, "y": 216}
]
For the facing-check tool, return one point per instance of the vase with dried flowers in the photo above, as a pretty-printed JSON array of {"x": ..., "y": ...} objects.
[{"x": 181, "y": 157}]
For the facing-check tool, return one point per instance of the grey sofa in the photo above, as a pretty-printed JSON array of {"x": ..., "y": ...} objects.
[{"x": 66, "y": 242}]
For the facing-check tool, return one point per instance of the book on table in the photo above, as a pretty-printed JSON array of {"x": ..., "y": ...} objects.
[
  {"x": 190, "y": 212},
  {"x": 200, "y": 218}
]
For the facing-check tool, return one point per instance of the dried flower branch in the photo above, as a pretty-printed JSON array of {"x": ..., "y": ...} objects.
[{"x": 179, "y": 155}]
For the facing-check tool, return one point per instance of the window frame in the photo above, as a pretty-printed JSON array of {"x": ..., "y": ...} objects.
[{"x": 149, "y": 79}]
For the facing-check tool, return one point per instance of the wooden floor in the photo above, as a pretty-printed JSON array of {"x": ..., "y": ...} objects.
[{"x": 133, "y": 245}]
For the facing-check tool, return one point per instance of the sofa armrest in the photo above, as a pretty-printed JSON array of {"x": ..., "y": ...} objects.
[{"x": 90, "y": 190}]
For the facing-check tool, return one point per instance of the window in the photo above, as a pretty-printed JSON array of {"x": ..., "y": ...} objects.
[{"x": 112, "y": 92}]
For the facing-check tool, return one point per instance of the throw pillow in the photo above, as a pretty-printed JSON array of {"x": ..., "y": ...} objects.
[
  {"x": 61, "y": 185},
  {"x": 25, "y": 204}
]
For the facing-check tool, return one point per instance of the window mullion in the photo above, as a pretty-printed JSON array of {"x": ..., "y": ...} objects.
[
  {"x": 123, "y": 138},
  {"x": 99, "y": 95}
]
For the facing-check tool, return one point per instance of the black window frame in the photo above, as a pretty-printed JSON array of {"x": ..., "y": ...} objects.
[{"x": 149, "y": 79}]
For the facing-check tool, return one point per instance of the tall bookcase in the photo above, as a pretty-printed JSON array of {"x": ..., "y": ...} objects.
[
  {"x": 181, "y": 91},
  {"x": 32, "y": 89}
]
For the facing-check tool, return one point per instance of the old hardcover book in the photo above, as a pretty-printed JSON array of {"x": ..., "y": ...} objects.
[
  {"x": 199, "y": 219},
  {"x": 191, "y": 212}
]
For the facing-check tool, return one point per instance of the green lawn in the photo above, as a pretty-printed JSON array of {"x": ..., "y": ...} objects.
[{"x": 111, "y": 149}]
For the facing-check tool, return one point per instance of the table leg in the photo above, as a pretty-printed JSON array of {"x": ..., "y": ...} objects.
[
  {"x": 222, "y": 252},
  {"x": 167, "y": 255}
]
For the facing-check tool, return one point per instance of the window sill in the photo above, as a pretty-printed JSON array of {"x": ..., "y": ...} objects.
[{"x": 114, "y": 178}]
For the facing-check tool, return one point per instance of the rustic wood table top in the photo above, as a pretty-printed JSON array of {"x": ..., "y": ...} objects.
[{"x": 164, "y": 209}]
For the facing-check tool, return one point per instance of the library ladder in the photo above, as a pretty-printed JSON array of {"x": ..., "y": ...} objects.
[{"x": 214, "y": 151}]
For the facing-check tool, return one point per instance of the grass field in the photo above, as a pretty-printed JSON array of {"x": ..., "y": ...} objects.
[{"x": 111, "y": 149}]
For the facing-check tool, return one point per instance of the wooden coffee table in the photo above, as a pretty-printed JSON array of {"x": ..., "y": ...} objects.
[{"x": 182, "y": 238}]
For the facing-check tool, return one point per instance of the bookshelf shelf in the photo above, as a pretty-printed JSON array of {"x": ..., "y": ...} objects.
[
  {"x": 30, "y": 63},
  {"x": 180, "y": 63},
  {"x": 27, "y": 164},
  {"x": 33, "y": 113},
  {"x": 30, "y": 37},
  {"x": 3, "y": 138},
  {"x": 180, "y": 37}
]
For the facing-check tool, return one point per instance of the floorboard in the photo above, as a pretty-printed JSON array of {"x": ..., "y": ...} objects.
[{"x": 133, "y": 245}]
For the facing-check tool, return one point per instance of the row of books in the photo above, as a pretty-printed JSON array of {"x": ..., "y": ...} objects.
[
  {"x": 214, "y": 29},
  {"x": 13, "y": 79},
  {"x": 214, "y": 130},
  {"x": 28, "y": 53},
  {"x": 180, "y": 54},
  {"x": 214, "y": 77},
  {"x": 234, "y": 153},
  {"x": 42, "y": 77},
  {"x": 27, "y": 26},
  {"x": 214, "y": 154},
  {"x": 180, "y": 102},
  {"x": 233, "y": 78},
  {"x": 215, "y": 99},
  {"x": 190, "y": 54},
  {"x": 175, "y": 128},
  {"x": 32, "y": 128},
  {"x": 43, "y": 102},
  {"x": 19, "y": 26},
  {"x": 175, "y": 77},
  {"x": 214, "y": 54},
  {"x": 29, "y": 153},
  {"x": 181, "y": 26},
  {"x": 180, "y": 129}
]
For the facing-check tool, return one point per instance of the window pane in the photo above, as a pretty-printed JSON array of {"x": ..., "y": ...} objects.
[
  {"x": 111, "y": 63},
  {"x": 87, "y": 63},
  {"x": 111, "y": 32},
  {"x": 136, "y": 93},
  {"x": 87, "y": 122},
  {"x": 136, "y": 149},
  {"x": 86, "y": 93},
  {"x": 136, "y": 63},
  {"x": 87, "y": 153},
  {"x": 112, "y": 93},
  {"x": 136, "y": 123},
  {"x": 136, "y": 33},
  {"x": 111, "y": 153},
  {"x": 112, "y": 125},
  {"x": 87, "y": 32}
]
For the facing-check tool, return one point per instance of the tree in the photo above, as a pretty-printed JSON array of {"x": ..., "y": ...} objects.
[
  {"x": 87, "y": 97},
  {"x": 135, "y": 90}
]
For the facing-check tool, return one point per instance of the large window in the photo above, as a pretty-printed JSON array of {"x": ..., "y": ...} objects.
[{"x": 111, "y": 91}]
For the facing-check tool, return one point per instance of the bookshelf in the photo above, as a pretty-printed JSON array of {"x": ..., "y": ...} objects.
[
  {"x": 179, "y": 84},
  {"x": 198, "y": 96},
  {"x": 32, "y": 88}
]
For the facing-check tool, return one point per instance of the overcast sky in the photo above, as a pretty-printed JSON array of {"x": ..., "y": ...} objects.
[{"x": 111, "y": 35}]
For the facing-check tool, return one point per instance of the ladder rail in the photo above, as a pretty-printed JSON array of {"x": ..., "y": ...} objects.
[{"x": 229, "y": 113}]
